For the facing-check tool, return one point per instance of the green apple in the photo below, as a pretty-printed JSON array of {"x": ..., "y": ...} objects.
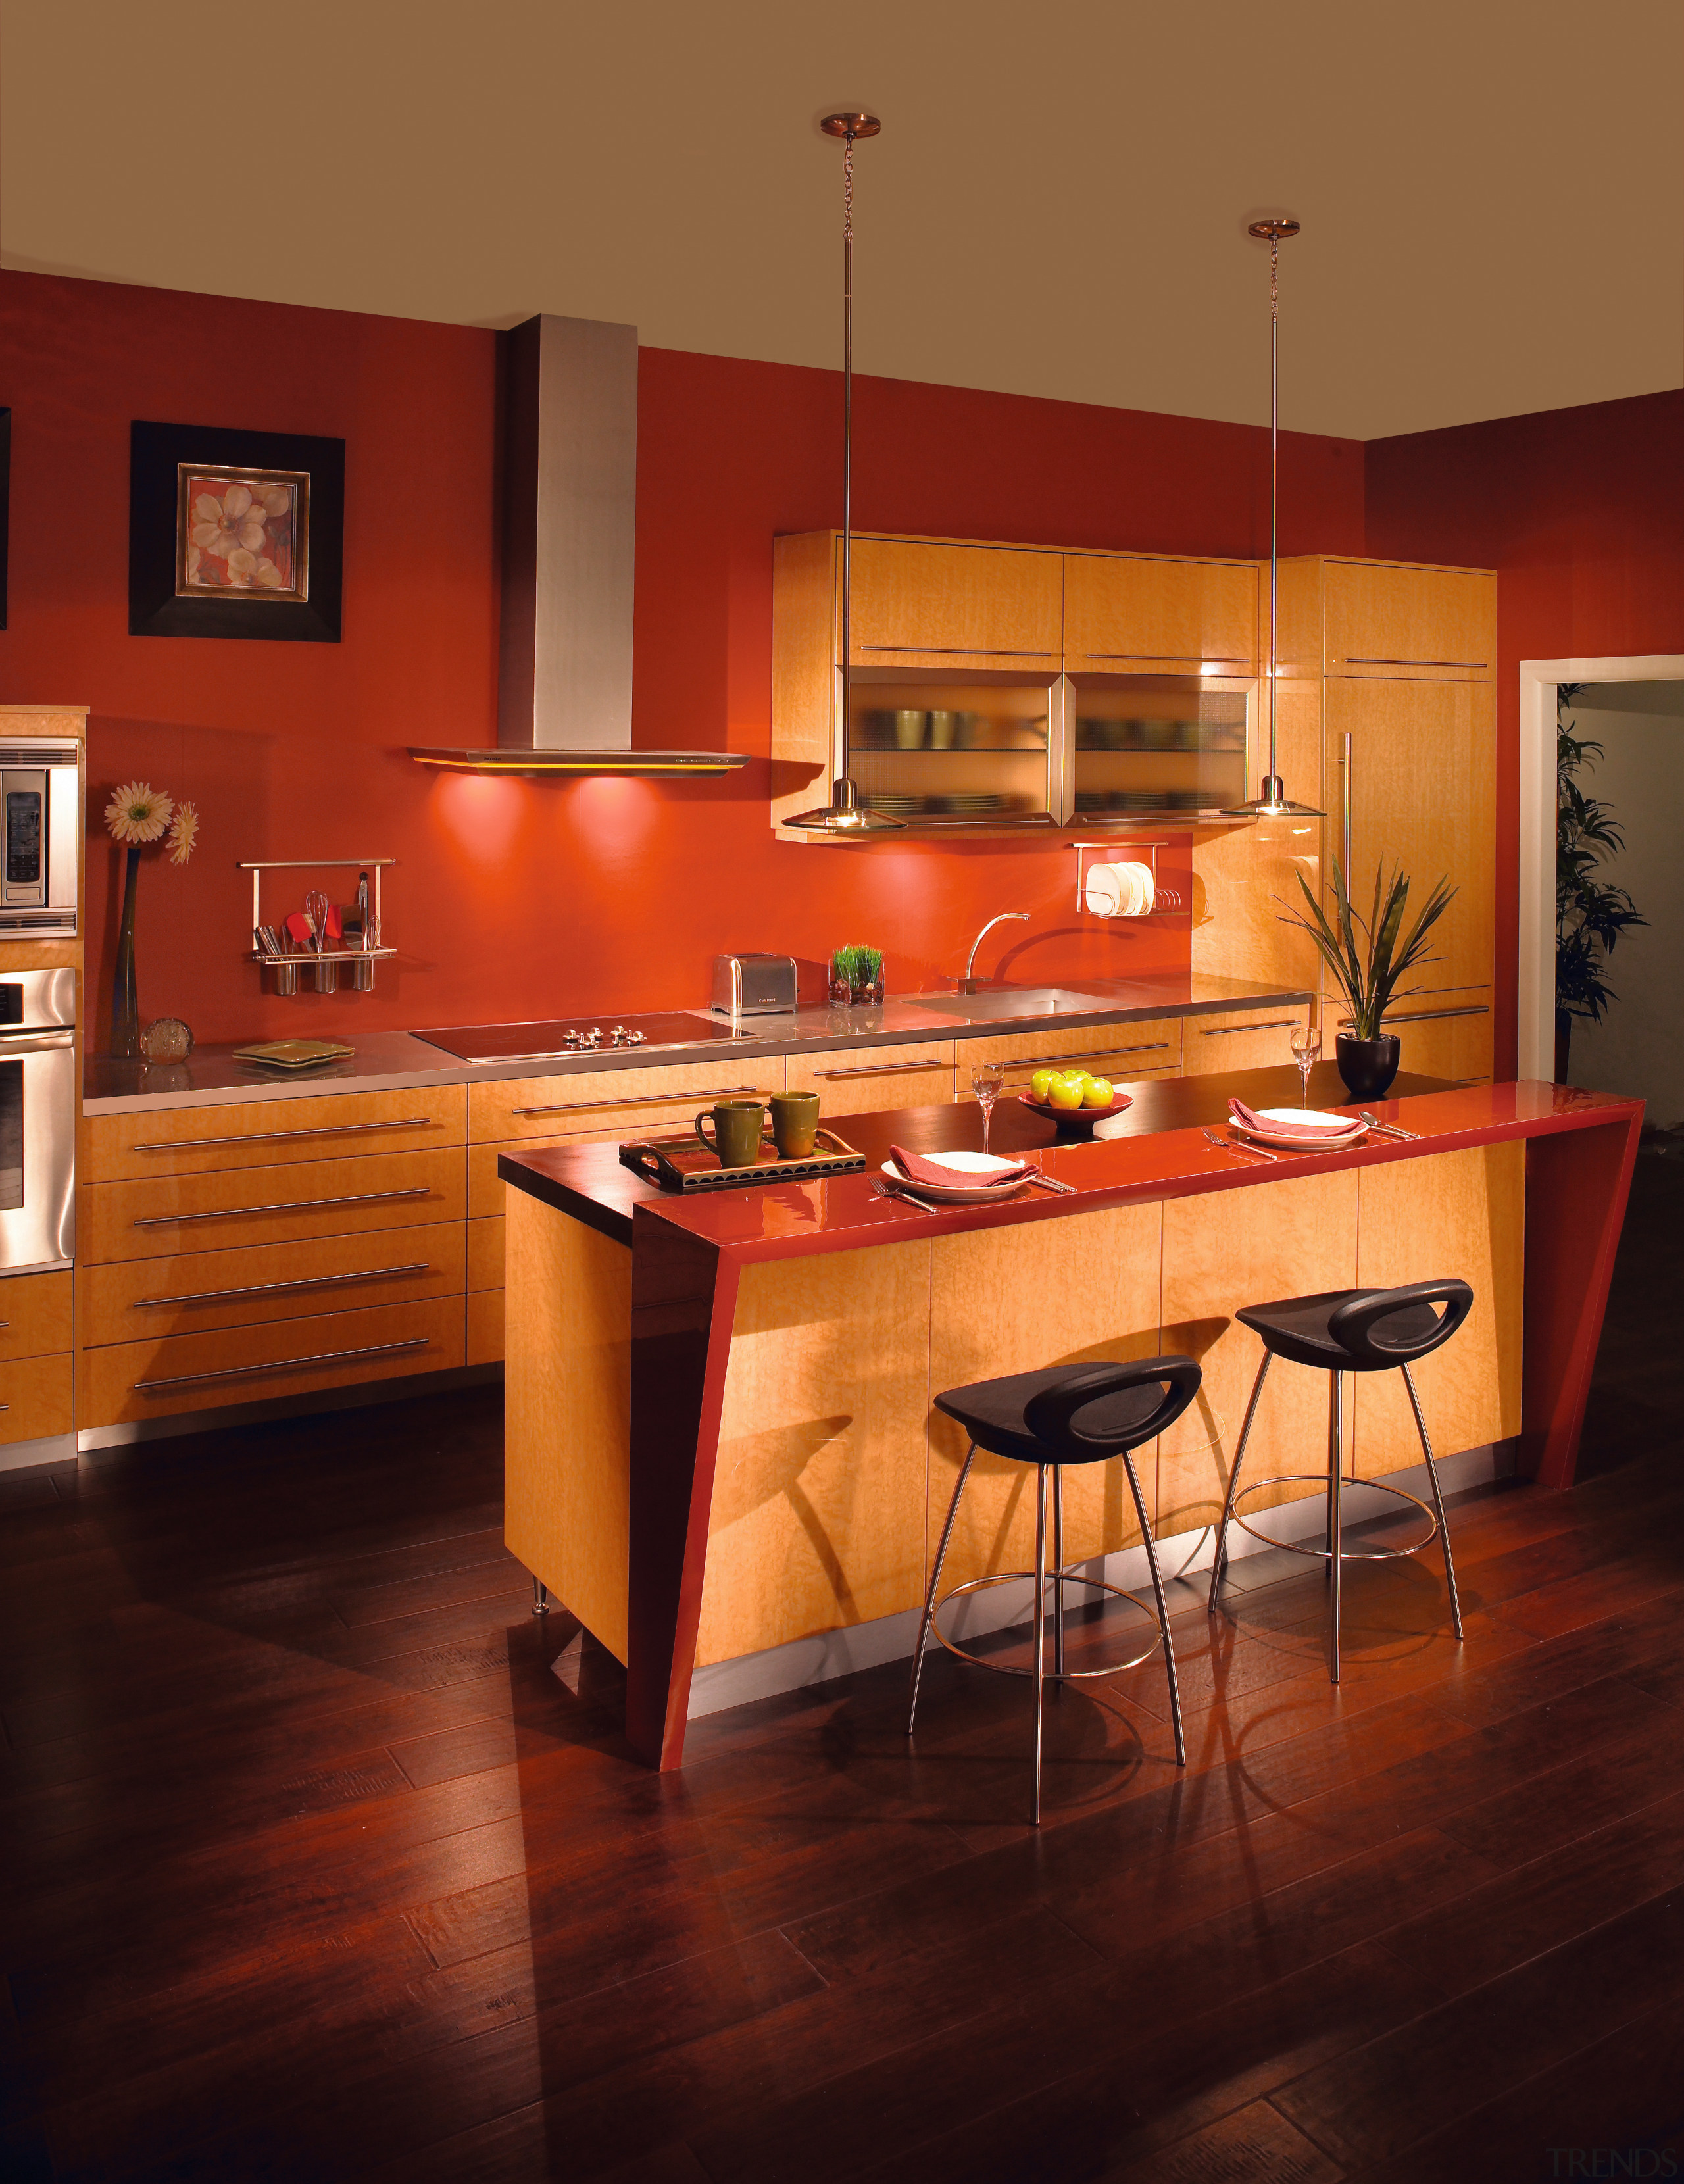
[
  {"x": 1098, "y": 1092},
  {"x": 1039, "y": 1082},
  {"x": 1063, "y": 1093}
]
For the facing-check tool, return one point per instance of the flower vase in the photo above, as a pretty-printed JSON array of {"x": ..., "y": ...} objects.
[
  {"x": 125, "y": 1008},
  {"x": 868, "y": 995}
]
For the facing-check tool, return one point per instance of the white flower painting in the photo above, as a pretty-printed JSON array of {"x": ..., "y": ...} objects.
[{"x": 244, "y": 532}]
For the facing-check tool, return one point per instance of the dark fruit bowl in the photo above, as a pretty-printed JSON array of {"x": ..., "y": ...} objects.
[{"x": 1076, "y": 1121}]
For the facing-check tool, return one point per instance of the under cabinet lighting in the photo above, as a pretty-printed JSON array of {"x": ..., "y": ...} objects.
[{"x": 577, "y": 765}]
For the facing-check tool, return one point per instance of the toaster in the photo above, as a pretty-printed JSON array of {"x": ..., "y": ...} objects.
[{"x": 754, "y": 985}]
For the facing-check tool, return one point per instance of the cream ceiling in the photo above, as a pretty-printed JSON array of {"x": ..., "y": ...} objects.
[{"x": 1491, "y": 190}]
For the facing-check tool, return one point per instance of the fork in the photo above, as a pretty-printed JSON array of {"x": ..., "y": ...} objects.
[
  {"x": 1388, "y": 1129},
  {"x": 1228, "y": 1145}
]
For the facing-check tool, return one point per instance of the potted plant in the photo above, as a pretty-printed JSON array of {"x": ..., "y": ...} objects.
[
  {"x": 1590, "y": 916},
  {"x": 856, "y": 975},
  {"x": 1367, "y": 972}
]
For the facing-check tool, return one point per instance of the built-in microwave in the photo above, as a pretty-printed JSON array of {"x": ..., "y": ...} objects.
[{"x": 40, "y": 820}]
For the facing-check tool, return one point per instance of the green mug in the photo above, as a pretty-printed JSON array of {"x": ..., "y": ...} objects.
[
  {"x": 794, "y": 1122},
  {"x": 737, "y": 1127}
]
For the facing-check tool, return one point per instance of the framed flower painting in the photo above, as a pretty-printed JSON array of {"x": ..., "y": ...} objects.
[{"x": 235, "y": 534}]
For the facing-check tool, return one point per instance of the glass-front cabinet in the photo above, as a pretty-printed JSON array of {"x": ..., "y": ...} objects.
[{"x": 983, "y": 693}]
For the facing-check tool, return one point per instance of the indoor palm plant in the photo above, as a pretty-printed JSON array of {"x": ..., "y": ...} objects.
[
  {"x": 1367, "y": 970},
  {"x": 1590, "y": 915}
]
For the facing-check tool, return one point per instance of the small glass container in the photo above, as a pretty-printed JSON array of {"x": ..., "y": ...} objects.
[{"x": 167, "y": 1038}]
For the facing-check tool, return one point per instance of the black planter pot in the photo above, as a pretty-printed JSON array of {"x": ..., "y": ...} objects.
[{"x": 1366, "y": 1064}]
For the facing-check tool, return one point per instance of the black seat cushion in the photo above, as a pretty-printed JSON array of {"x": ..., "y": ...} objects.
[
  {"x": 992, "y": 1412},
  {"x": 1296, "y": 1328}
]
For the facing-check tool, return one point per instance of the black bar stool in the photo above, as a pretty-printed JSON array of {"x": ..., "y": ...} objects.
[
  {"x": 1066, "y": 1414},
  {"x": 1350, "y": 1331}
]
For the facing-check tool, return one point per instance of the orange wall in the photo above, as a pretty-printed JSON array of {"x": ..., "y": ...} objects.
[
  {"x": 1580, "y": 511},
  {"x": 524, "y": 899}
]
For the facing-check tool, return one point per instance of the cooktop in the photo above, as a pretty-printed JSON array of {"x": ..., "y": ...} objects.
[{"x": 587, "y": 1035}]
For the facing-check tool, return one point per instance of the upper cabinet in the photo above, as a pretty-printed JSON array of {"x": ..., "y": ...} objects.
[
  {"x": 918, "y": 602},
  {"x": 1402, "y": 623},
  {"x": 1127, "y": 614}
]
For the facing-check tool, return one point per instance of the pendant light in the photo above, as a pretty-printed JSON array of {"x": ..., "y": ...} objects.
[
  {"x": 1274, "y": 803},
  {"x": 845, "y": 814}
]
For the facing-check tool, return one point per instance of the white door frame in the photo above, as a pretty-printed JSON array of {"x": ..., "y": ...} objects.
[{"x": 1536, "y": 929}]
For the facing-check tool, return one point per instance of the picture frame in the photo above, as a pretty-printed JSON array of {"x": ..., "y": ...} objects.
[{"x": 235, "y": 534}]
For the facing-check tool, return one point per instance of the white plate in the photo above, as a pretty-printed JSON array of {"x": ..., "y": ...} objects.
[
  {"x": 943, "y": 1194},
  {"x": 1284, "y": 1134}
]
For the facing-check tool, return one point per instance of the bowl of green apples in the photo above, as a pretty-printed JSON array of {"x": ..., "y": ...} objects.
[{"x": 1073, "y": 1098}]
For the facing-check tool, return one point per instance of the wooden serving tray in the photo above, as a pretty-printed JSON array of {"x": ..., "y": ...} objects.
[{"x": 685, "y": 1164}]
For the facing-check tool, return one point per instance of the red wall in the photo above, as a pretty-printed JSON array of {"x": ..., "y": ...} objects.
[
  {"x": 1582, "y": 512},
  {"x": 526, "y": 899}
]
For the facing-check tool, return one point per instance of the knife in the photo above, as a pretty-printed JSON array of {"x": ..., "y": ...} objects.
[{"x": 1050, "y": 1182}]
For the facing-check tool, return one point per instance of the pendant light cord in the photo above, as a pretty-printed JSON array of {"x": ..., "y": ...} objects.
[
  {"x": 847, "y": 442},
  {"x": 1274, "y": 483}
]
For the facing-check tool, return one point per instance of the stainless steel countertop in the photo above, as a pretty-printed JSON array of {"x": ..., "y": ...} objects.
[{"x": 396, "y": 1061}]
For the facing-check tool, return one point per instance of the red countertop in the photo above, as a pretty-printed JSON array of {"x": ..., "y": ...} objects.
[{"x": 1163, "y": 1153}]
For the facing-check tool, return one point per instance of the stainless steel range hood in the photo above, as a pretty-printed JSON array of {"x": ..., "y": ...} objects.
[{"x": 570, "y": 475}]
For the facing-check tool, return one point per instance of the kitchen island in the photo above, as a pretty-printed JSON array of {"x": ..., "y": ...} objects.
[{"x": 720, "y": 1434}]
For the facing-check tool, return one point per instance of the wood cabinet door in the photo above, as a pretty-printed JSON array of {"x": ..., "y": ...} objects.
[
  {"x": 856, "y": 1081},
  {"x": 1121, "y": 1051},
  {"x": 918, "y": 605},
  {"x": 1127, "y": 617},
  {"x": 1445, "y": 1034},
  {"x": 1421, "y": 787},
  {"x": 1253, "y": 1039},
  {"x": 1392, "y": 622}
]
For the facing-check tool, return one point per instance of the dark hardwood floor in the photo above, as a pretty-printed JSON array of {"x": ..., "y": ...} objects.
[{"x": 316, "y": 1868}]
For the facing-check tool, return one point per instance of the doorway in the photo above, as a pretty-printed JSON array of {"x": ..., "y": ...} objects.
[{"x": 1639, "y": 715}]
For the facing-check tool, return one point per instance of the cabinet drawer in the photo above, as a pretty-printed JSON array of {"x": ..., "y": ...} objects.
[
  {"x": 36, "y": 1397},
  {"x": 594, "y": 1100},
  {"x": 269, "y": 1205},
  {"x": 36, "y": 1311},
  {"x": 861, "y": 1080},
  {"x": 285, "y": 1358},
  {"x": 1120, "y": 1051},
  {"x": 1124, "y": 617},
  {"x": 191, "y": 1140},
  {"x": 1444, "y": 1034},
  {"x": 485, "y": 1327},
  {"x": 1251, "y": 1039},
  {"x": 1435, "y": 623},
  {"x": 142, "y": 1300},
  {"x": 485, "y": 1252},
  {"x": 916, "y": 603}
]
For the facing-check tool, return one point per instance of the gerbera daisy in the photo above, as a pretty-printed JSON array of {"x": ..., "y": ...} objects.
[
  {"x": 138, "y": 812},
  {"x": 183, "y": 831}
]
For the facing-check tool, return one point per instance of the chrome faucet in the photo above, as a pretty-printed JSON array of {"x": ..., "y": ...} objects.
[{"x": 967, "y": 985}]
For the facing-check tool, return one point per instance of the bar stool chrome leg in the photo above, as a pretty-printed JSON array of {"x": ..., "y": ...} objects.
[
  {"x": 1438, "y": 1503},
  {"x": 936, "y": 1581},
  {"x": 1040, "y": 1622},
  {"x": 1151, "y": 1546},
  {"x": 1220, "y": 1558},
  {"x": 1058, "y": 1570},
  {"x": 1335, "y": 1481}
]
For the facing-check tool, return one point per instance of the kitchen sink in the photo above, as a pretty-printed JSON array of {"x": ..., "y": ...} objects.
[{"x": 1010, "y": 1001}]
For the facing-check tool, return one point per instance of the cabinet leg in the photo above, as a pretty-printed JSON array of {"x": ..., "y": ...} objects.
[{"x": 540, "y": 1596}]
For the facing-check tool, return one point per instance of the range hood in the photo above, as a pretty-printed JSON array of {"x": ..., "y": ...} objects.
[{"x": 569, "y": 474}]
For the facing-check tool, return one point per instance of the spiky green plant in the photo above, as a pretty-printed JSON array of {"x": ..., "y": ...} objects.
[
  {"x": 1590, "y": 914},
  {"x": 855, "y": 965},
  {"x": 1367, "y": 974}
]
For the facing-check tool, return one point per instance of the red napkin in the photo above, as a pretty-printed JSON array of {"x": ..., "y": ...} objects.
[
  {"x": 918, "y": 1169},
  {"x": 1296, "y": 1129}
]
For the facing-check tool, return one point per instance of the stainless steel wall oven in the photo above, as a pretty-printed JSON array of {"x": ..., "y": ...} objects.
[{"x": 37, "y": 1120}]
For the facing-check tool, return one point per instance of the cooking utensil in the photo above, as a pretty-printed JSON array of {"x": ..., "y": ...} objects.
[
  {"x": 1051, "y": 1183},
  {"x": 315, "y": 910},
  {"x": 1233, "y": 1145}
]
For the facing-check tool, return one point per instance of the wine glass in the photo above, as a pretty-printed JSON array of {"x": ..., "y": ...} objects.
[
  {"x": 985, "y": 1083},
  {"x": 1306, "y": 1052}
]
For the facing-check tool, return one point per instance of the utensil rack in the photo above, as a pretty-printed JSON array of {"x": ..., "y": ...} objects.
[
  {"x": 323, "y": 962},
  {"x": 1163, "y": 898}
]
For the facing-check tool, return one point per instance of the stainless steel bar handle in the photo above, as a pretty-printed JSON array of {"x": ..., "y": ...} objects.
[
  {"x": 883, "y": 1069},
  {"x": 1354, "y": 660},
  {"x": 1345, "y": 855},
  {"x": 1228, "y": 1031},
  {"x": 282, "y": 1364},
  {"x": 279, "y": 1289},
  {"x": 1222, "y": 659},
  {"x": 36, "y": 1042},
  {"x": 289, "y": 1206},
  {"x": 1430, "y": 1015},
  {"x": 966, "y": 651},
  {"x": 279, "y": 1137},
  {"x": 649, "y": 1100},
  {"x": 1033, "y": 1062}
]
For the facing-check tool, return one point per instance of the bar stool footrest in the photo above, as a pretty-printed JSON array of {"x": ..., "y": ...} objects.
[
  {"x": 1347, "y": 1554},
  {"x": 1051, "y": 1675}
]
